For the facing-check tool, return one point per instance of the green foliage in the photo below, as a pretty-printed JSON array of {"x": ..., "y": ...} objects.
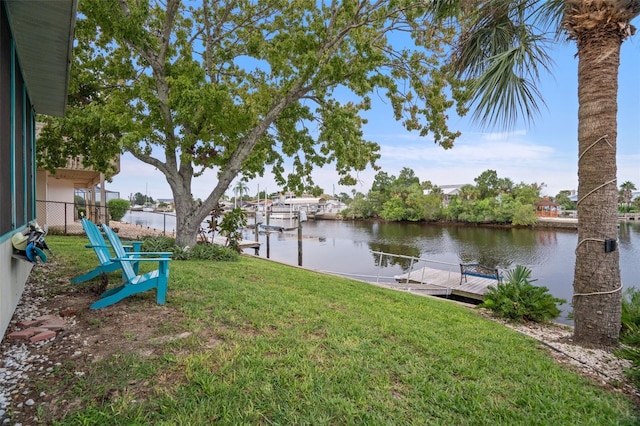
[
  {"x": 212, "y": 224},
  {"x": 630, "y": 332},
  {"x": 393, "y": 210},
  {"x": 204, "y": 251},
  {"x": 494, "y": 200},
  {"x": 141, "y": 199},
  {"x": 344, "y": 197},
  {"x": 160, "y": 243},
  {"x": 79, "y": 201},
  {"x": 490, "y": 185},
  {"x": 563, "y": 199},
  {"x": 231, "y": 227},
  {"x": 625, "y": 194},
  {"x": 242, "y": 89},
  {"x": 432, "y": 207},
  {"x": 526, "y": 193},
  {"x": 117, "y": 208},
  {"x": 524, "y": 215},
  {"x": 517, "y": 299},
  {"x": 201, "y": 251},
  {"x": 264, "y": 343},
  {"x": 359, "y": 208}
]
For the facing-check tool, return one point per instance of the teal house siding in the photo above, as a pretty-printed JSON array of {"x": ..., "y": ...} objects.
[{"x": 36, "y": 37}]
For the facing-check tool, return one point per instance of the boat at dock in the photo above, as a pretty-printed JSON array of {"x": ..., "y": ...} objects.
[{"x": 270, "y": 228}]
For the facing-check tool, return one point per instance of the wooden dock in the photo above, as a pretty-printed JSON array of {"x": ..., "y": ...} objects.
[{"x": 437, "y": 282}]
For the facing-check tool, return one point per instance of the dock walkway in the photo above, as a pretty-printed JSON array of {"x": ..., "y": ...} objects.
[{"x": 437, "y": 282}]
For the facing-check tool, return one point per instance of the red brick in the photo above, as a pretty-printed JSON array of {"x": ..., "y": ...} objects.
[
  {"x": 43, "y": 336},
  {"x": 29, "y": 323},
  {"x": 53, "y": 325},
  {"x": 46, "y": 318},
  {"x": 22, "y": 334}
]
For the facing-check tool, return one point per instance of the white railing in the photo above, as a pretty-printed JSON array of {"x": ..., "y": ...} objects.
[{"x": 414, "y": 260}]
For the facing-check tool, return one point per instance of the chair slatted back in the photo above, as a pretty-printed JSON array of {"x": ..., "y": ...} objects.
[
  {"x": 118, "y": 248},
  {"x": 97, "y": 241}
]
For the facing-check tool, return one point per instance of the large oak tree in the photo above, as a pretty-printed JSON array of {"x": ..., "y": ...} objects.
[{"x": 241, "y": 86}]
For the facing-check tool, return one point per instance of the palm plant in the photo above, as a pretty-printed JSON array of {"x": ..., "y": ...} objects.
[
  {"x": 626, "y": 192},
  {"x": 502, "y": 49},
  {"x": 518, "y": 299},
  {"x": 240, "y": 189}
]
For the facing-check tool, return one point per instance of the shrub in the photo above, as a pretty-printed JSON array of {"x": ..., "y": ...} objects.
[
  {"x": 160, "y": 243},
  {"x": 117, "y": 208},
  {"x": 630, "y": 333},
  {"x": 201, "y": 251},
  {"x": 519, "y": 300},
  {"x": 231, "y": 227},
  {"x": 524, "y": 215},
  {"x": 204, "y": 251}
]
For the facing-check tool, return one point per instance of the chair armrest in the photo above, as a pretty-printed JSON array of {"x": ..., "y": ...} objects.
[
  {"x": 95, "y": 245},
  {"x": 133, "y": 245},
  {"x": 150, "y": 253},
  {"x": 140, "y": 259}
]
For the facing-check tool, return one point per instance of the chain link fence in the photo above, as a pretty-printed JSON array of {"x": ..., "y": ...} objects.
[{"x": 64, "y": 218}]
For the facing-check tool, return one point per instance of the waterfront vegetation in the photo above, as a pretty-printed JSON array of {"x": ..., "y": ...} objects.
[
  {"x": 265, "y": 343},
  {"x": 490, "y": 200},
  {"x": 405, "y": 198}
]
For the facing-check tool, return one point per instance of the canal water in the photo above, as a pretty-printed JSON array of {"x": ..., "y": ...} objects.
[{"x": 349, "y": 248}]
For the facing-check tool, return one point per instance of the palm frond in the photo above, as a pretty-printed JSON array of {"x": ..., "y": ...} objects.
[
  {"x": 502, "y": 52},
  {"x": 549, "y": 15},
  {"x": 507, "y": 88}
]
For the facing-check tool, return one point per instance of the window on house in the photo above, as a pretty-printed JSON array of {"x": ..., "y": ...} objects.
[
  {"x": 19, "y": 147},
  {"x": 31, "y": 161},
  {"x": 5, "y": 128},
  {"x": 17, "y": 169}
]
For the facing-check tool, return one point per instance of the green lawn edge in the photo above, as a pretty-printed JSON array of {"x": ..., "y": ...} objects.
[{"x": 276, "y": 344}]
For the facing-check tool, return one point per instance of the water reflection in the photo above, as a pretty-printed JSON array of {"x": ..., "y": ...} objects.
[
  {"x": 550, "y": 254},
  {"x": 347, "y": 248}
]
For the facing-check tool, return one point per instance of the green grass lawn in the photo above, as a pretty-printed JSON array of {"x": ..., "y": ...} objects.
[{"x": 272, "y": 344}]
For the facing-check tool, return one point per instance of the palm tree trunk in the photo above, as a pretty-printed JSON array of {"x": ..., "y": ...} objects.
[{"x": 597, "y": 285}]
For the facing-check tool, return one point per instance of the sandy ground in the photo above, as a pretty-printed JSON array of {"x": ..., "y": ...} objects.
[{"x": 131, "y": 231}]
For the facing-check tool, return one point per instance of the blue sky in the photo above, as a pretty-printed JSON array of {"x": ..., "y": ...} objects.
[{"x": 545, "y": 151}]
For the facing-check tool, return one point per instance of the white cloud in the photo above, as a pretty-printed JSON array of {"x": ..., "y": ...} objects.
[
  {"x": 511, "y": 155},
  {"x": 500, "y": 136}
]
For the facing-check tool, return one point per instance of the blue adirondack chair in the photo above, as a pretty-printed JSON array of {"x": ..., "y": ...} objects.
[
  {"x": 100, "y": 247},
  {"x": 133, "y": 283}
]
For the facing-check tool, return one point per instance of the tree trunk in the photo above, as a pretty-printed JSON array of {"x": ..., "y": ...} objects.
[
  {"x": 187, "y": 224},
  {"x": 597, "y": 285}
]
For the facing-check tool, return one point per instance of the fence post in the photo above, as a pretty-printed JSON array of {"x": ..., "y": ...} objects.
[
  {"x": 65, "y": 219},
  {"x": 379, "y": 266},
  {"x": 410, "y": 269}
]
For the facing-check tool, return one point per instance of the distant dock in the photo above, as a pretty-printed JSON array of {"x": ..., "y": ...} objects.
[
  {"x": 243, "y": 243},
  {"x": 572, "y": 222},
  {"x": 436, "y": 282}
]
